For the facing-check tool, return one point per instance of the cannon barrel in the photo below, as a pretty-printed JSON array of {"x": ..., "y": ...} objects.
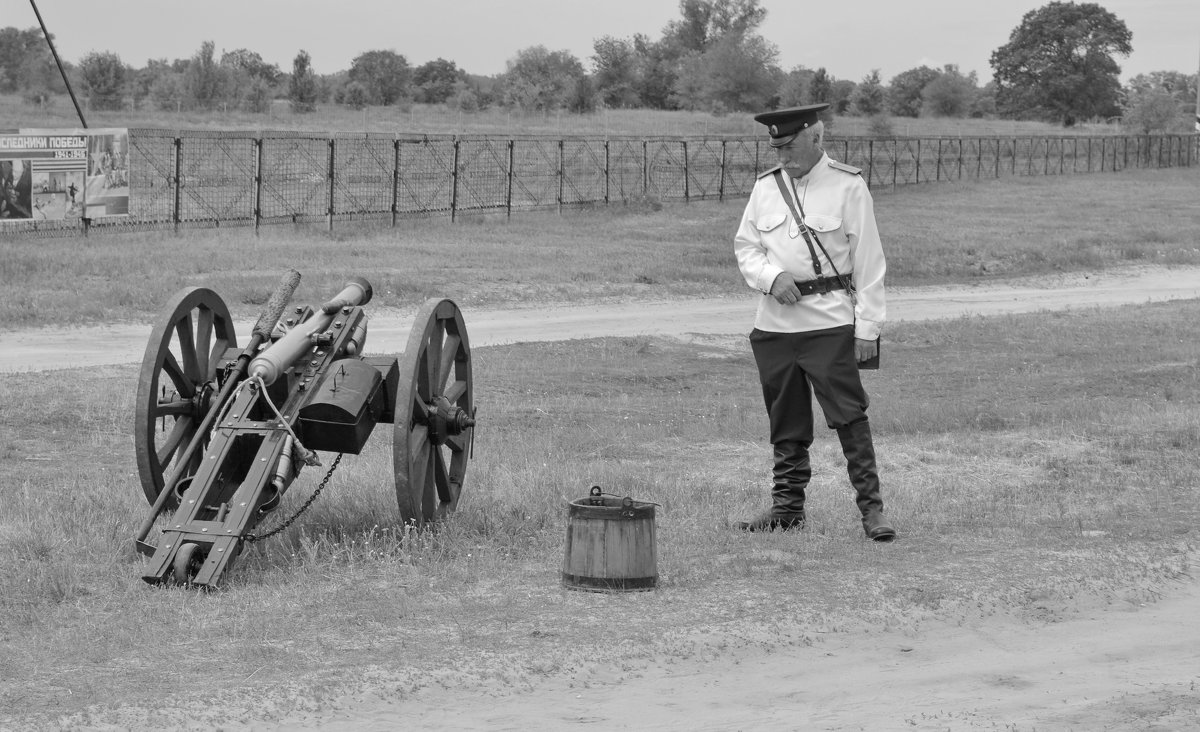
[{"x": 270, "y": 364}]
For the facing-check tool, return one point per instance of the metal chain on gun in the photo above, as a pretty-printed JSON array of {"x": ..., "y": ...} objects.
[{"x": 251, "y": 538}]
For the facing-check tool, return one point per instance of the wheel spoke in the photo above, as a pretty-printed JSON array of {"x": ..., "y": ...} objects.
[
  {"x": 429, "y": 368},
  {"x": 421, "y": 375},
  {"x": 455, "y": 391},
  {"x": 442, "y": 477},
  {"x": 418, "y": 443},
  {"x": 449, "y": 354},
  {"x": 458, "y": 443},
  {"x": 420, "y": 411},
  {"x": 205, "y": 324},
  {"x": 175, "y": 372},
  {"x": 187, "y": 349},
  {"x": 173, "y": 408},
  {"x": 181, "y": 433},
  {"x": 432, "y": 482}
]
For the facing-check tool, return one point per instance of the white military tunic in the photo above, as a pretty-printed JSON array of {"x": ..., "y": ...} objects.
[{"x": 837, "y": 206}]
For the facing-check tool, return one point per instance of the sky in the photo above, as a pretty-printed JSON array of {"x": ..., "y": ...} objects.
[{"x": 850, "y": 38}]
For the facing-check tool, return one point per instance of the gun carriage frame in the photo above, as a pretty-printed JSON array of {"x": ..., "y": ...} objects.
[{"x": 221, "y": 432}]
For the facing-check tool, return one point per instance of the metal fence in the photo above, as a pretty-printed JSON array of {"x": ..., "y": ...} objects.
[{"x": 197, "y": 178}]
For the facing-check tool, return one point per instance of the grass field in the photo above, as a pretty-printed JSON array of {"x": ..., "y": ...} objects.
[
  {"x": 1035, "y": 465},
  {"x": 437, "y": 119},
  {"x": 961, "y": 232}
]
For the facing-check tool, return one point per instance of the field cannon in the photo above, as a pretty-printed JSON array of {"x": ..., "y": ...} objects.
[{"x": 221, "y": 431}]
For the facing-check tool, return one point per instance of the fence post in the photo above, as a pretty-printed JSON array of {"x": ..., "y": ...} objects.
[
  {"x": 686, "y": 188},
  {"x": 1046, "y": 160},
  {"x": 895, "y": 163},
  {"x": 258, "y": 166},
  {"x": 937, "y": 172},
  {"x": 454, "y": 184},
  {"x": 721, "y": 181},
  {"x": 560, "y": 177},
  {"x": 918, "y": 173},
  {"x": 960, "y": 158},
  {"x": 607, "y": 177},
  {"x": 509, "y": 186},
  {"x": 870, "y": 160},
  {"x": 330, "y": 179},
  {"x": 175, "y": 214},
  {"x": 395, "y": 180},
  {"x": 645, "y": 170}
]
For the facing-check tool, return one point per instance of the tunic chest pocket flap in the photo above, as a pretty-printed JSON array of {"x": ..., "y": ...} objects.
[
  {"x": 821, "y": 223},
  {"x": 770, "y": 221}
]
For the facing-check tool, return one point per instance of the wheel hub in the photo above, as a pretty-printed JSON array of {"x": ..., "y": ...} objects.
[{"x": 446, "y": 420}]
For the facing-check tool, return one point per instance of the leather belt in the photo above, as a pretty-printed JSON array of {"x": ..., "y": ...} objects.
[{"x": 820, "y": 286}]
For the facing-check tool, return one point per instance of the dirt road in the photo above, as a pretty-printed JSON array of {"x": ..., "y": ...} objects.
[
  {"x": 1128, "y": 667},
  {"x": 59, "y": 348}
]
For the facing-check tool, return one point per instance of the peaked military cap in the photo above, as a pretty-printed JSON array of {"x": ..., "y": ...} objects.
[{"x": 784, "y": 124}]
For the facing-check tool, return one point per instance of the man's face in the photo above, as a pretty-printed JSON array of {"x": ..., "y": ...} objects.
[{"x": 800, "y": 155}]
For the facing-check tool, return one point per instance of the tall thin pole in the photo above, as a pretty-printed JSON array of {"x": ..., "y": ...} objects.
[
  {"x": 58, "y": 61},
  {"x": 1198, "y": 98}
]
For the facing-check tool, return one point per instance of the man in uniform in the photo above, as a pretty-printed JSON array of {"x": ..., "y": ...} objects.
[{"x": 809, "y": 243}]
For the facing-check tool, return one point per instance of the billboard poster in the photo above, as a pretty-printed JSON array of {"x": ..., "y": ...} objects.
[{"x": 58, "y": 175}]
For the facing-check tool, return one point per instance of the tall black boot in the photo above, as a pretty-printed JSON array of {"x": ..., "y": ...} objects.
[
  {"x": 859, "y": 450},
  {"x": 791, "y": 474}
]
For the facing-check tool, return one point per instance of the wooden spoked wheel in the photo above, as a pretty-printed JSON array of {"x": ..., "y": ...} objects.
[
  {"x": 434, "y": 423},
  {"x": 177, "y": 383}
]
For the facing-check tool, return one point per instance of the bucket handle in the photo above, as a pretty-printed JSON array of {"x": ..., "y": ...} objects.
[{"x": 626, "y": 501}]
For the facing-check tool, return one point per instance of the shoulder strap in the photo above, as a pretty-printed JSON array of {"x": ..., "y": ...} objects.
[
  {"x": 811, "y": 236},
  {"x": 768, "y": 171},
  {"x": 799, "y": 218},
  {"x": 845, "y": 168}
]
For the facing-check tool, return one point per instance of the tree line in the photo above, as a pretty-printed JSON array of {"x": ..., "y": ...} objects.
[{"x": 1060, "y": 65}]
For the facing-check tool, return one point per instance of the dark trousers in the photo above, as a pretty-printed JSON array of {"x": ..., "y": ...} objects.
[{"x": 793, "y": 367}]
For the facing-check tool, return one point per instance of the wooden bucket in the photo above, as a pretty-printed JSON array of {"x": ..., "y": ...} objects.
[{"x": 610, "y": 545}]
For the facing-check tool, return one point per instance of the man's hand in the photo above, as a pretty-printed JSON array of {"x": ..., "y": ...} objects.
[
  {"x": 784, "y": 289},
  {"x": 865, "y": 350}
]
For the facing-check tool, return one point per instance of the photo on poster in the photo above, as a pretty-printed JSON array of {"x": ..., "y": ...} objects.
[
  {"x": 16, "y": 187},
  {"x": 107, "y": 186},
  {"x": 56, "y": 195}
]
